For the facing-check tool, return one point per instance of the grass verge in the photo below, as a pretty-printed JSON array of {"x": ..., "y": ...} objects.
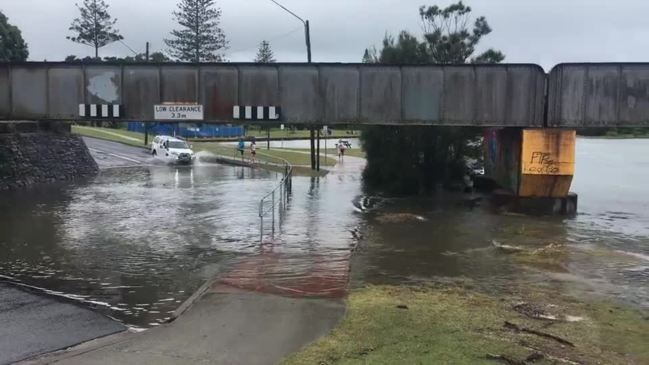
[
  {"x": 305, "y": 133},
  {"x": 296, "y": 158},
  {"x": 427, "y": 325},
  {"x": 332, "y": 153},
  {"x": 114, "y": 135}
]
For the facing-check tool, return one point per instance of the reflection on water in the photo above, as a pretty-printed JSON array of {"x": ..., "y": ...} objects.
[
  {"x": 137, "y": 242},
  {"x": 310, "y": 257},
  {"x": 134, "y": 242},
  {"x": 604, "y": 251}
]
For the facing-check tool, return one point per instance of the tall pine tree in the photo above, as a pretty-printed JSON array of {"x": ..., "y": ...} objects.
[
  {"x": 200, "y": 38},
  {"x": 12, "y": 45},
  {"x": 265, "y": 53},
  {"x": 95, "y": 26}
]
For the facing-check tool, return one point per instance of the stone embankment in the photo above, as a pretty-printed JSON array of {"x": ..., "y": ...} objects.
[{"x": 30, "y": 155}]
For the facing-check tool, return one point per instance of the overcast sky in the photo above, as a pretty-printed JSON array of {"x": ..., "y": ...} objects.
[{"x": 546, "y": 32}]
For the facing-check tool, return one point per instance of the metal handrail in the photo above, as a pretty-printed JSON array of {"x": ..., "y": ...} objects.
[{"x": 283, "y": 190}]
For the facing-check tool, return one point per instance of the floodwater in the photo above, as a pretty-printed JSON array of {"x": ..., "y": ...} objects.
[
  {"x": 132, "y": 242},
  {"x": 136, "y": 242},
  {"x": 603, "y": 252}
]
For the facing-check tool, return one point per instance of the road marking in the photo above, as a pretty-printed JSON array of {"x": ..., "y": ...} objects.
[{"x": 115, "y": 155}]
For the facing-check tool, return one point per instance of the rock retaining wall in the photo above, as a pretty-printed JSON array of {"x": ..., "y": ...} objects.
[{"x": 42, "y": 157}]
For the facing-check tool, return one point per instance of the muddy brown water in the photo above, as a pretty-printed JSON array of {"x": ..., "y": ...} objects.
[
  {"x": 603, "y": 252},
  {"x": 136, "y": 242}
]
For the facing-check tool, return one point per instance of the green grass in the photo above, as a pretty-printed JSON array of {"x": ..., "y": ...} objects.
[
  {"x": 137, "y": 139},
  {"x": 331, "y": 152},
  {"x": 115, "y": 135},
  {"x": 293, "y": 157},
  {"x": 456, "y": 326},
  {"x": 278, "y": 133}
]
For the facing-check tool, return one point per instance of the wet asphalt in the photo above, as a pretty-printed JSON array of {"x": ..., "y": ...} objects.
[
  {"x": 33, "y": 324},
  {"x": 113, "y": 155}
]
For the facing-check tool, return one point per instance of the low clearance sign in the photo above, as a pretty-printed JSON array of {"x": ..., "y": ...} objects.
[{"x": 178, "y": 112}]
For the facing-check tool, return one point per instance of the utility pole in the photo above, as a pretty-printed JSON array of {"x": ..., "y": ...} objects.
[
  {"x": 325, "y": 130},
  {"x": 318, "y": 153},
  {"x": 146, "y": 133},
  {"x": 307, "y": 36},
  {"x": 146, "y": 125},
  {"x": 312, "y": 139},
  {"x": 307, "y": 32}
]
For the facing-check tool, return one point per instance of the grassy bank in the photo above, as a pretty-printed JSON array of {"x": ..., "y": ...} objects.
[
  {"x": 294, "y": 157},
  {"x": 428, "y": 325},
  {"x": 137, "y": 139},
  {"x": 286, "y": 133},
  {"x": 331, "y": 152},
  {"x": 115, "y": 135}
]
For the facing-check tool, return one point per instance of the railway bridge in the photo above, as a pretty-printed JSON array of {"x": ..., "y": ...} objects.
[{"x": 529, "y": 116}]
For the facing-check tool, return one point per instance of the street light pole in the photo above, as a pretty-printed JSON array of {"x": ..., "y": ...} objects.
[
  {"x": 307, "y": 36},
  {"x": 307, "y": 30},
  {"x": 307, "y": 33}
]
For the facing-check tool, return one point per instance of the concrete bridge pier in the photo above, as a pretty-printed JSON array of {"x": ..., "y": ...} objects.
[{"x": 533, "y": 169}]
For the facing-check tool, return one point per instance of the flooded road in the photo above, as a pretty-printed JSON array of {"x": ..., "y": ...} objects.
[
  {"x": 136, "y": 242},
  {"x": 603, "y": 252},
  {"x": 133, "y": 242}
]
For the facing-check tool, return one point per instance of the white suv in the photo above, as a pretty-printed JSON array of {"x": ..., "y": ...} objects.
[{"x": 172, "y": 150}]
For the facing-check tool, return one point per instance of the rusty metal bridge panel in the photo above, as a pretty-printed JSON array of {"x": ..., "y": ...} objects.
[
  {"x": 480, "y": 95},
  {"x": 598, "y": 95}
]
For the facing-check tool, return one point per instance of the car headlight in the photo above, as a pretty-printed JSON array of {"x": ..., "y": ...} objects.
[{"x": 174, "y": 153}]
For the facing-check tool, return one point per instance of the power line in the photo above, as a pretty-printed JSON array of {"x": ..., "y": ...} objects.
[
  {"x": 126, "y": 45},
  {"x": 269, "y": 39},
  {"x": 290, "y": 12}
]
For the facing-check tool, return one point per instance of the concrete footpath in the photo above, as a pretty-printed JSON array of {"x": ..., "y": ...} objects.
[
  {"x": 223, "y": 327},
  {"x": 33, "y": 324}
]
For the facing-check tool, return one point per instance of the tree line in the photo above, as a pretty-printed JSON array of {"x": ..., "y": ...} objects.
[
  {"x": 428, "y": 155},
  {"x": 197, "y": 38}
]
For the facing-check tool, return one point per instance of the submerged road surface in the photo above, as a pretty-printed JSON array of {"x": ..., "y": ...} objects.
[
  {"x": 139, "y": 240},
  {"x": 33, "y": 323},
  {"x": 112, "y": 155}
]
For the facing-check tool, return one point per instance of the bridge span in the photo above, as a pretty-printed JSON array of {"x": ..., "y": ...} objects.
[
  {"x": 462, "y": 95},
  {"x": 503, "y": 95},
  {"x": 529, "y": 150}
]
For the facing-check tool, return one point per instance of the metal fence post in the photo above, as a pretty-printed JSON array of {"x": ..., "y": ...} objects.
[
  {"x": 273, "y": 208},
  {"x": 261, "y": 217}
]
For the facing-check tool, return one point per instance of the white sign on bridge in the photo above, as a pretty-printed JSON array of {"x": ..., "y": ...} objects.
[{"x": 178, "y": 112}]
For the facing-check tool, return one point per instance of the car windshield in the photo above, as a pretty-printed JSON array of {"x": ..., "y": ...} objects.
[{"x": 178, "y": 144}]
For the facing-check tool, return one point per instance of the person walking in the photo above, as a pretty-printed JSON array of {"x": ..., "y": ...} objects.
[
  {"x": 341, "y": 150},
  {"x": 253, "y": 150},
  {"x": 241, "y": 147}
]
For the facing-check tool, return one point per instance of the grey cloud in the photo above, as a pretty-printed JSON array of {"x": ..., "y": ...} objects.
[{"x": 538, "y": 31}]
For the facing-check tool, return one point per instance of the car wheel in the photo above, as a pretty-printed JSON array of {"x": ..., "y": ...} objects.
[{"x": 154, "y": 153}]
